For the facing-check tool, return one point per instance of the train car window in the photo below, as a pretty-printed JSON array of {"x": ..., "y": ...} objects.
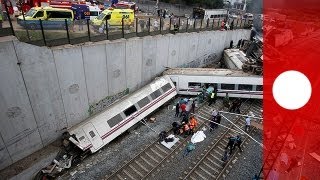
[
  {"x": 92, "y": 134},
  {"x": 166, "y": 87},
  {"x": 194, "y": 84},
  {"x": 155, "y": 94},
  {"x": 227, "y": 86},
  {"x": 246, "y": 87},
  {"x": 130, "y": 110},
  {"x": 174, "y": 83},
  {"x": 115, "y": 120},
  {"x": 143, "y": 102},
  {"x": 259, "y": 88},
  {"x": 81, "y": 138}
]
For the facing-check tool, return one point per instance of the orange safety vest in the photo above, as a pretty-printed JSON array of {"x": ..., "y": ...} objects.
[{"x": 193, "y": 123}]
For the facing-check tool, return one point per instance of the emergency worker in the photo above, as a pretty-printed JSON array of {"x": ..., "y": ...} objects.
[
  {"x": 212, "y": 96},
  {"x": 193, "y": 123},
  {"x": 186, "y": 129}
]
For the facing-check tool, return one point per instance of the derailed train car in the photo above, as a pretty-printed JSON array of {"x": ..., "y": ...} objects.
[
  {"x": 99, "y": 130},
  {"x": 190, "y": 81}
]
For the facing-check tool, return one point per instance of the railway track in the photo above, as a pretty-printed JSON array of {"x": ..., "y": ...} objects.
[
  {"x": 210, "y": 166},
  {"x": 149, "y": 160}
]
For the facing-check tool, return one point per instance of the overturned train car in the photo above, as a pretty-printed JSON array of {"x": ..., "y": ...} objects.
[{"x": 99, "y": 130}]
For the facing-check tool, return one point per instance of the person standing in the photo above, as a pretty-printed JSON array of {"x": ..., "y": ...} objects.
[
  {"x": 164, "y": 13},
  {"x": 80, "y": 22},
  {"x": 142, "y": 24},
  {"x": 193, "y": 107},
  {"x": 231, "y": 25},
  {"x": 177, "y": 110},
  {"x": 155, "y": 25},
  {"x": 230, "y": 143},
  {"x": 211, "y": 98},
  {"x": 183, "y": 109},
  {"x": 218, "y": 119},
  {"x": 226, "y": 102},
  {"x": 248, "y": 124},
  {"x": 238, "y": 105},
  {"x": 237, "y": 143},
  {"x": 294, "y": 162}
]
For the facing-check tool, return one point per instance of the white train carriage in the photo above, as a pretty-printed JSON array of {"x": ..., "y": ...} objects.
[
  {"x": 189, "y": 81},
  {"x": 99, "y": 130}
]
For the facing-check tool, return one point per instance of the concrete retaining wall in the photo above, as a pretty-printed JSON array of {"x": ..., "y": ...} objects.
[{"x": 44, "y": 90}]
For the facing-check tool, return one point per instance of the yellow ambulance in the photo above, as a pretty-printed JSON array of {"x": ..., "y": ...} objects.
[{"x": 114, "y": 17}]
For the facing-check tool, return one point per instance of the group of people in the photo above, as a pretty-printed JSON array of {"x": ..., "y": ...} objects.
[
  {"x": 188, "y": 123},
  {"x": 225, "y": 25},
  {"x": 232, "y": 143},
  {"x": 181, "y": 107},
  {"x": 147, "y": 24},
  {"x": 186, "y": 128}
]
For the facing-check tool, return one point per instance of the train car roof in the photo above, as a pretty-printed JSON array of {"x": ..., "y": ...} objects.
[{"x": 208, "y": 72}]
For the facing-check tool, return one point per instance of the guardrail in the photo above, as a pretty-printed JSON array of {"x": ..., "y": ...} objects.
[{"x": 40, "y": 33}]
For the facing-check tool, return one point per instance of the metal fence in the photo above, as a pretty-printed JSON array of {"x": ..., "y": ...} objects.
[{"x": 80, "y": 31}]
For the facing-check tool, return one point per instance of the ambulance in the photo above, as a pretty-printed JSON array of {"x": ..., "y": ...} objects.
[
  {"x": 114, "y": 17},
  {"x": 52, "y": 18}
]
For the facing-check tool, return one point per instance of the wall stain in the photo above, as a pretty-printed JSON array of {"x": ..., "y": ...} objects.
[
  {"x": 13, "y": 112},
  {"x": 106, "y": 102}
]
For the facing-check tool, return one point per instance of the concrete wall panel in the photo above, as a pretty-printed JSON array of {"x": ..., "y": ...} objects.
[
  {"x": 17, "y": 119},
  {"x": 69, "y": 64},
  {"x": 5, "y": 159},
  {"x": 134, "y": 63},
  {"x": 202, "y": 43},
  {"x": 183, "y": 50},
  {"x": 162, "y": 53},
  {"x": 30, "y": 143},
  {"x": 173, "y": 59},
  {"x": 149, "y": 51},
  {"x": 193, "y": 41},
  {"x": 42, "y": 84},
  {"x": 95, "y": 68},
  {"x": 116, "y": 66}
]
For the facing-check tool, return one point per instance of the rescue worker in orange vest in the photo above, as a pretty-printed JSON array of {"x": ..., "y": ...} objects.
[{"x": 193, "y": 123}]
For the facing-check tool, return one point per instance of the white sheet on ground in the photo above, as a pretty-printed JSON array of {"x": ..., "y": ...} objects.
[
  {"x": 198, "y": 137},
  {"x": 170, "y": 144}
]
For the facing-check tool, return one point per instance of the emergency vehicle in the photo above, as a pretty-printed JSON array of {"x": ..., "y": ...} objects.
[
  {"x": 53, "y": 18},
  {"x": 200, "y": 13},
  {"x": 83, "y": 11},
  {"x": 114, "y": 17}
]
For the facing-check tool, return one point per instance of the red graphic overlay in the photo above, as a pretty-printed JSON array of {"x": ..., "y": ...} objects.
[{"x": 291, "y": 42}]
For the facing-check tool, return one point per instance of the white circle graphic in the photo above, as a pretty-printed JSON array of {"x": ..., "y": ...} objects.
[{"x": 292, "y": 90}]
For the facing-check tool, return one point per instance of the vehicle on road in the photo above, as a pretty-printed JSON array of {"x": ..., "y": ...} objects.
[
  {"x": 52, "y": 18},
  {"x": 114, "y": 18}
]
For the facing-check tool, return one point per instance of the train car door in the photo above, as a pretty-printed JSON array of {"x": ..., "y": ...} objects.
[
  {"x": 175, "y": 81},
  {"x": 93, "y": 135}
]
